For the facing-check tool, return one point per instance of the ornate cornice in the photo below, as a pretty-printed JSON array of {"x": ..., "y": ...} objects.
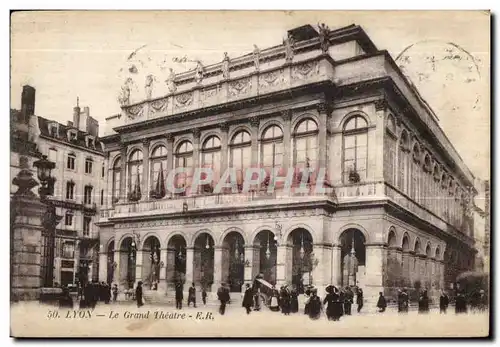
[{"x": 380, "y": 105}]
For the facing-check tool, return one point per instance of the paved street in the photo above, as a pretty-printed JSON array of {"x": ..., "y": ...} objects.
[{"x": 122, "y": 319}]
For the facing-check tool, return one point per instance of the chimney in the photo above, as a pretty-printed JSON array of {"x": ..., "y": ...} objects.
[
  {"x": 27, "y": 103},
  {"x": 70, "y": 124},
  {"x": 76, "y": 113},
  {"x": 82, "y": 126}
]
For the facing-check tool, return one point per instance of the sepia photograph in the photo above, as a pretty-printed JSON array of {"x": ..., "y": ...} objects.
[{"x": 250, "y": 174}]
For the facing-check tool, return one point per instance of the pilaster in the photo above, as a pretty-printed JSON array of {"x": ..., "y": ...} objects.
[
  {"x": 189, "y": 265},
  {"x": 287, "y": 140},
  {"x": 145, "y": 170},
  {"x": 123, "y": 172},
  {"x": 254, "y": 123}
]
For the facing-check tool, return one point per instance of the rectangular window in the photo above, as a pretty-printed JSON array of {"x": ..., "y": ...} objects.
[
  {"x": 87, "y": 195},
  {"x": 68, "y": 250},
  {"x": 86, "y": 226},
  {"x": 68, "y": 219},
  {"x": 70, "y": 190},
  {"x": 53, "y": 156},
  {"x": 88, "y": 166},
  {"x": 102, "y": 197},
  {"x": 102, "y": 171},
  {"x": 71, "y": 162}
]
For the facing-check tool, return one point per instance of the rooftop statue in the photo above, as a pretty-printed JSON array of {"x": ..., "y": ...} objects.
[
  {"x": 256, "y": 57},
  {"x": 171, "y": 81},
  {"x": 225, "y": 66}
]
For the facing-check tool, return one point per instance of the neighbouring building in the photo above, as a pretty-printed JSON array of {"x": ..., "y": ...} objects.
[
  {"x": 79, "y": 187},
  {"x": 399, "y": 214}
]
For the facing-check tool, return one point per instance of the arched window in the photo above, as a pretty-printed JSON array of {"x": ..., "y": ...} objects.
[
  {"x": 355, "y": 142},
  {"x": 241, "y": 153},
  {"x": 211, "y": 157},
  {"x": 390, "y": 149},
  {"x": 272, "y": 148},
  {"x": 415, "y": 173},
  {"x": 305, "y": 144},
  {"x": 403, "y": 161},
  {"x": 117, "y": 170},
  {"x": 184, "y": 159},
  {"x": 158, "y": 172},
  {"x": 135, "y": 175}
]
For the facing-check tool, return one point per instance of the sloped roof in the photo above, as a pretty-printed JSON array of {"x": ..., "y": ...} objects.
[{"x": 62, "y": 135}]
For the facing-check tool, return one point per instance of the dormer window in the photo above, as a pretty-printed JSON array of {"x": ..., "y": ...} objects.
[
  {"x": 90, "y": 141},
  {"x": 53, "y": 129},
  {"x": 72, "y": 135}
]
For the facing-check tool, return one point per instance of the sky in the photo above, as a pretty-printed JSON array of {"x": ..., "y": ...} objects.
[{"x": 83, "y": 54}]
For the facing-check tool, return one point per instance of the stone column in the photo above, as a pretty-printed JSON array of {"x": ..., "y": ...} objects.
[
  {"x": 224, "y": 143},
  {"x": 405, "y": 258},
  {"x": 249, "y": 259},
  {"x": 103, "y": 266},
  {"x": 254, "y": 123},
  {"x": 196, "y": 148},
  {"x": 123, "y": 173},
  {"x": 320, "y": 278},
  {"x": 76, "y": 264},
  {"x": 287, "y": 138},
  {"x": 145, "y": 170},
  {"x": 139, "y": 258},
  {"x": 26, "y": 239},
  {"x": 412, "y": 268},
  {"x": 281, "y": 264},
  {"x": 376, "y": 154},
  {"x": 375, "y": 258},
  {"x": 217, "y": 268},
  {"x": 162, "y": 284},
  {"x": 322, "y": 134},
  {"x": 336, "y": 270},
  {"x": 189, "y": 266},
  {"x": 398, "y": 254},
  {"x": 116, "y": 270},
  {"x": 170, "y": 162}
]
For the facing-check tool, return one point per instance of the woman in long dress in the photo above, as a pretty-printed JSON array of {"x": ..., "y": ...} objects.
[
  {"x": 138, "y": 294},
  {"x": 314, "y": 305},
  {"x": 274, "y": 305}
]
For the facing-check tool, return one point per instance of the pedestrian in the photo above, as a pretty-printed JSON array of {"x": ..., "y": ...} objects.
[
  {"x": 223, "y": 296},
  {"x": 285, "y": 300},
  {"x": 294, "y": 300},
  {"x": 307, "y": 296},
  {"x": 338, "y": 304},
  {"x": 258, "y": 299},
  {"x": 348, "y": 300},
  {"x": 274, "y": 305},
  {"x": 330, "y": 303},
  {"x": 460, "y": 303},
  {"x": 179, "y": 295},
  {"x": 138, "y": 294},
  {"x": 359, "y": 299},
  {"x": 192, "y": 295},
  {"x": 314, "y": 305},
  {"x": 204, "y": 295},
  {"x": 444, "y": 301},
  {"x": 115, "y": 292},
  {"x": 405, "y": 301},
  {"x": 248, "y": 299},
  {"x": 381, "y": 303},
  {"x": 423, "y": 303}
]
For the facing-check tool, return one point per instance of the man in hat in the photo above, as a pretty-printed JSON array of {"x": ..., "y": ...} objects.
[
  {"x": 223, "y": 296},
  {"x": 138, "y": 294},
  {"x": 248, "y": 298}
]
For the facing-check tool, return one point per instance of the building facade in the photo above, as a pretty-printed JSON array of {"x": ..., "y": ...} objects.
[
  {"x": 398, "y": 214},
  {"x": 78, "y": 188}
]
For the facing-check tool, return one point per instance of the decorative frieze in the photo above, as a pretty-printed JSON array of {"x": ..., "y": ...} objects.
[
  {"x": 306, "y": 70},
  {"x": 159, "y": 105},
  {"x": 380, "y": 105},
  {"x": 271, "y": 79},
  {"x": 184, "y": 100},
  {"x": 241, "y": 86}
]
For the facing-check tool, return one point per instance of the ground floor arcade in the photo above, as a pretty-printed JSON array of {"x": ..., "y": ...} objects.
[{"x": 363, "y": 247}]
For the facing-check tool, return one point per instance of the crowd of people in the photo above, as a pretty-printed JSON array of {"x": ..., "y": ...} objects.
[{"x": 337, "y": 302}]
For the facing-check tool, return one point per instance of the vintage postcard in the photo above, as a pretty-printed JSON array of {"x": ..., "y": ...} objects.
[{"x": 250, "y": 174}]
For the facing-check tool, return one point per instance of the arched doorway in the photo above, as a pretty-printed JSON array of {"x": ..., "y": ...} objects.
[
  {"x": 267, "y": 252},
  {"x": 128, "y": 254},
  {"x": 233, "y": 260},
  {"x": 110, "y": 256},
  {"x": 353, "y": 256},
  {"x": 151, "y": 262},
  {"x": 303, "y": 261},
  {"x": 203, "y": 266},
  {"x": 176, "y": 261},
  {"x": 394, "y": 273},
  {"x": 406, "y": 261}
]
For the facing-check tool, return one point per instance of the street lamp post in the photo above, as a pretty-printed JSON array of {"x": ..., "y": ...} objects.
[{"x": 50, "y": 220}]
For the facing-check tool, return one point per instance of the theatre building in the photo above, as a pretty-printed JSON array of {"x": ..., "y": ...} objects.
[{"x": 398, "y": 211}]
